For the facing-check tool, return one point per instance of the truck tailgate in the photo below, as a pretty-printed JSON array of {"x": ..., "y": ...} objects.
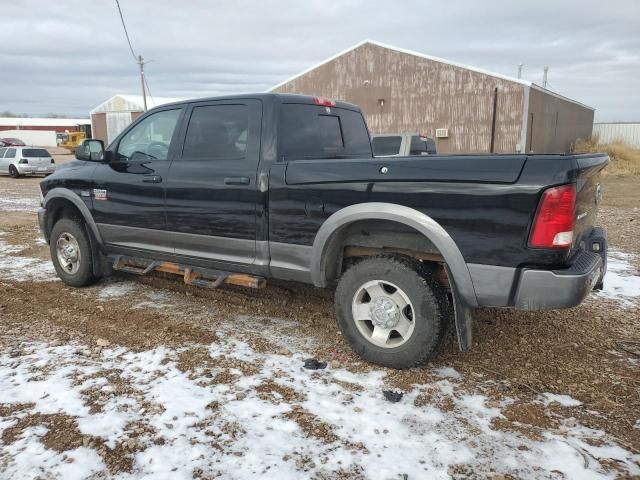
[{"x": 588, "y": 192}]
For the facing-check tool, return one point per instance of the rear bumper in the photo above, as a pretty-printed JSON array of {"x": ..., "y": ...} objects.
[
  {"x": 530, "y": 288},
  {"x": 554, "y": 289},
  {"x": 24, "y": 168}
]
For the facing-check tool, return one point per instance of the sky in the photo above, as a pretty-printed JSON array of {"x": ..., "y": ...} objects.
[{"x": 69, "y": 56}]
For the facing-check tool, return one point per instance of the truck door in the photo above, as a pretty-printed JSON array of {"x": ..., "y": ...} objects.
[
  {"x": 211, "y": 192},
  {"x": 128, "y": 192}
]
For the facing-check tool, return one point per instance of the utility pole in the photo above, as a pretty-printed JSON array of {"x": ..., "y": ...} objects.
[
  {"x": 144, "y": 93},
  {"x": 520, "y": 70},
  {"x": 544, "y": 77}
]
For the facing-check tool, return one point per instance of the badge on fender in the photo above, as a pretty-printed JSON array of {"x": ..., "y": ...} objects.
[{"x": 99, "y": 194}]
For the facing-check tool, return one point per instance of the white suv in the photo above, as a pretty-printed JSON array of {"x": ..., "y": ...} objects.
[{"x": 18, "y": 161}]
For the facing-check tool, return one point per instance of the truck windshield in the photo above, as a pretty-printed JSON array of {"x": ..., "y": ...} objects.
[
  {"x": 386, "y": 145},
  {"x": 313, "y": 131}
]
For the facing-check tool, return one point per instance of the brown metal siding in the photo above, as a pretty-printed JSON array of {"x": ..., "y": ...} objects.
[
  {"x": 555, "y": 124},
  {"x": 99, "y": 126},
  {"x": 420, "y": 95}
]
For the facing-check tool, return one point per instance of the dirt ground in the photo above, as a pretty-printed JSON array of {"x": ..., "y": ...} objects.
[{"x": 590, "y": 354}]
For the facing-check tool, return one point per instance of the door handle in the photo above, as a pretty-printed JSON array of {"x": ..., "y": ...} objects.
[
  {"x": 152, "y": 179},
  {"x": 236, "y": 181}
]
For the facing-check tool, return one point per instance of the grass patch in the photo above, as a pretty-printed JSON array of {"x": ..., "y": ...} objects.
[{"x": 625, "y": 160}]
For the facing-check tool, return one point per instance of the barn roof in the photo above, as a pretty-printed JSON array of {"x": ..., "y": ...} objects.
[
  {"x": 131, "y": 103},
  {"x": 435, "y": 59}
]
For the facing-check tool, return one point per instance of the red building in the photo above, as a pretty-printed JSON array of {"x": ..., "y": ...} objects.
[{"x": 58, "y": 125}]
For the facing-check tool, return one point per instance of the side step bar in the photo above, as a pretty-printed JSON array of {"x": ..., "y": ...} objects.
[{"x": 200, "y": 277}]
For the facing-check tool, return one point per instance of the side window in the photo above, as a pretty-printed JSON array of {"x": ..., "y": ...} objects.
[
  {"x": 217, "y": 132},
  {"x": 386, "y": 145},
  {"x": 2, "y": 150},
  {"x": 422, "y": 146},
  {"x": 11, "y": 153},
  {"x": 311, "y": 131},
  {"x": 150, "y": 139}
]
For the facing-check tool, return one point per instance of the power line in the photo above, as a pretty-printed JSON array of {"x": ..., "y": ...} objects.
[
  {"x": 138, "y": 59},
  {"x": 126, "y": 34}
]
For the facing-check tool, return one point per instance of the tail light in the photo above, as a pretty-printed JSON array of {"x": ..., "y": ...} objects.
[
  {"x": 22, "y": 161},
  {"x": 53, "y": 161},
  {"x": 325, "y": 102},
  {"x": 555, "y": 218}
]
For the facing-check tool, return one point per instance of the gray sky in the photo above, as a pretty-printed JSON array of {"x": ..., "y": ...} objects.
[{"x": 69, "y": 56}]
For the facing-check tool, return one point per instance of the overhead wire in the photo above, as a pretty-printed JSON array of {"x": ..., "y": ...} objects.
[{"x": 137, "y": 59}]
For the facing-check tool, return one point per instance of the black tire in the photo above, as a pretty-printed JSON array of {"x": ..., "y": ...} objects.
[
  {"x": 13, "y": 171},
  {"x": 430, "y": 306},
  {"x": 84, "y": 274}
]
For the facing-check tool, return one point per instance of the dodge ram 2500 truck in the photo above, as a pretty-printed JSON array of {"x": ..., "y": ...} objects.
[{"x": 239, "y": 189}]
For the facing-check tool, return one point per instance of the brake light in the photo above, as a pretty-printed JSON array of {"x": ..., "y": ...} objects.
[
  {"x": 325, "y": 102},
  {"x": 53, "y": 161},
  {"x": 555, "y": 218}
]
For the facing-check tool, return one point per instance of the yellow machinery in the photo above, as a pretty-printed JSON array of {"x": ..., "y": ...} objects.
[{"x": 70, "y": 140}]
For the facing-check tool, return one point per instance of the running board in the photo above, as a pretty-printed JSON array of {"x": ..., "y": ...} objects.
[{"x": 200, "y": 277}]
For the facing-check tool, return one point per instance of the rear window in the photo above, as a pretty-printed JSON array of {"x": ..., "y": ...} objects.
[
  {"x": 386, "y": 145},
  {"x": 313, "y": 131},
  {"x": 34, "y": 152}
]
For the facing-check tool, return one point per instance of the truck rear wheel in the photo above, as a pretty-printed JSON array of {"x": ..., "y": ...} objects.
[
  {"x": 71, "y": 253},
  {"x": 392, "y": 311}
]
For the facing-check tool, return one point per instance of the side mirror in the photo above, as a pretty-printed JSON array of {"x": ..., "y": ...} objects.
[{"x": 91, "y": 151}]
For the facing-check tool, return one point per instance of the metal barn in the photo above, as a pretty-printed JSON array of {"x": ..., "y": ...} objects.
[
  {"x": 465, "y": 108},
  {"x": 112, "y": 116}
]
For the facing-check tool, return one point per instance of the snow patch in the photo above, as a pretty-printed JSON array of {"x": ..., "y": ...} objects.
[
  {"x": 447, "y": 372},
  {"x": 224, "y": 428},
  {"x": 622, "y": 281},
  {"x": 23, "y": 269},
  {"x": 19, "y": 204},
  {"x": 115, "y": 289},
  {"x": 564, "y": 400}
]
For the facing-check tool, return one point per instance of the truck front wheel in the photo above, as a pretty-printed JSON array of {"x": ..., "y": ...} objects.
[
  {"x": 392, "y": 311},
  {"x": 71, "y": 253}
]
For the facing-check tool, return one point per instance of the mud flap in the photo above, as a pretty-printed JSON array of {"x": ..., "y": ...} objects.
[
  {"x": 96, "y": 256},
  {"x": 463, "y": 321}
]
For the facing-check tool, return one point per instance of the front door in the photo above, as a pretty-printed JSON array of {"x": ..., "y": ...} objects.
[
  {"x": 128, "y": 194},
  {"x": 9, "y": 157},
  {"x": 211, "y": 192},
  {"x": 4, "y": 164}
]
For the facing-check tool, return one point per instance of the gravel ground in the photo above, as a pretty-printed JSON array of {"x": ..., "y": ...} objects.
[{"x": 146, "y": 377}]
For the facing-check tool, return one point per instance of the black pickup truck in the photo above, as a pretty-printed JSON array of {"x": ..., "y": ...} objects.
[{"x": 243, "y": 188}]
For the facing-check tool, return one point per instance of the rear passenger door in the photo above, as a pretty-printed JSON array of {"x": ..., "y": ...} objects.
[{"x": 211, "y": 193}]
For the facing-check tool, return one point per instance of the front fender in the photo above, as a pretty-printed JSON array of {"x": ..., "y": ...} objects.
[{"x": 69, "y": 195}]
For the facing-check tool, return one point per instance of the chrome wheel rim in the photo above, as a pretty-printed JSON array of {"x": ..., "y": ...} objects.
[
  {"x": 383, "y": 313},
  {"x": 68, "y": 252}
]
